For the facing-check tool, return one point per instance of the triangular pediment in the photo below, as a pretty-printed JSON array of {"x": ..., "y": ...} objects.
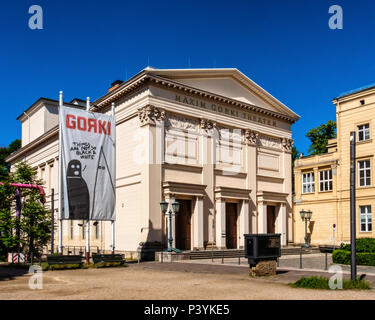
[{"x": 228, "y": 83}]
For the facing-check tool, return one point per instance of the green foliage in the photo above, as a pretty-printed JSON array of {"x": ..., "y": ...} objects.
[
  {"x": 34, "y": 224},
  {"x": 362, "y": 258},
  {"x": 8, "y": 239},
  {"x": 5, "y": 152},
  {"x": 51, "y": 267},
  {"x": 319, "y": 137},
  {"x": 315, "y": 282},
  {"x": 341, "y": 256},
  {"x": 362, "y": 245},
  {"x": 295, "y": 154},
  {"x": 311, "y": 283},
  {"x": 35, "y": 219},
  {"x": 109, "y": 264}
]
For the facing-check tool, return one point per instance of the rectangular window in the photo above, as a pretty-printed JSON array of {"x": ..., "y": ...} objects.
[
  {"x": 71, "y": 229},
  {"x": 97, "y": 230},
  {"x": 308, "y": 182},
  {"x": 325, "y": 180},
  {"x": 50, "y": 178},
  {"x": 366, "y": 218},
  {"x": 83, "y": 229},
  {"x": 364, "y": 132},
  {"x": 364, "y": 173}
]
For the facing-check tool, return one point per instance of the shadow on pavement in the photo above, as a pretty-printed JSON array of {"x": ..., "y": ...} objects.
[{"x": 10, "y": 273}]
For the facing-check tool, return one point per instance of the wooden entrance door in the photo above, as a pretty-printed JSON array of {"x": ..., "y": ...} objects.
[
  {"x": 183, "y": 226},
  {"x": 271, "y": 219},
  {"x": 231, "y": 225}
]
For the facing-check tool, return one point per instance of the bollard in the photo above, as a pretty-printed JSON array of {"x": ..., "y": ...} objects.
[
  {"x": 278, "y": 262},
  {"x": 300, "y": 259},
  {"x": 239, "y": 257},
  {"x": 222, "y": 259},
  {"x": 326, "y": 265}
]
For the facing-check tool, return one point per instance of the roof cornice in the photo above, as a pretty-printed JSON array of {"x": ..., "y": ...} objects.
[{"x": 143, "y": 78}]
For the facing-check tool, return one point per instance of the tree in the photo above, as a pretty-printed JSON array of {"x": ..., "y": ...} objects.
[
  {"x": 295, "y": 155},
  {"x": 5, "y": 152},
  {"x": 319, "y": 137},
  {"x": 35, "y": 220},
  {"x": 32, "y": 230},
  {"x": 8, "y": 238}
]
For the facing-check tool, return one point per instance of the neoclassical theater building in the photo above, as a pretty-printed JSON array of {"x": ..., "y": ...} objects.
[{"x": 211, "y": 139}]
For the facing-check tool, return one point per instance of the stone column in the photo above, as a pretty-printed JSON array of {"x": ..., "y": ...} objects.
[
  {"x": 198, "y": 223},
  {"x": 244, "y": 222},
  {"x": 262, "y": 217},
  {"x": 220, "y": 224},
  {"x": 281, "y": 223},
  {"x": 251, "y": 140}
]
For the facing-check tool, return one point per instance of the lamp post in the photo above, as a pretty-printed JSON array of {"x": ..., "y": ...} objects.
[
  {"x": 172, "y": 212},
  {"x": 306, "y": 216}
]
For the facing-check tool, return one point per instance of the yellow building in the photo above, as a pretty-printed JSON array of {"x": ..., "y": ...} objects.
[{"x": 322, "y": 182}]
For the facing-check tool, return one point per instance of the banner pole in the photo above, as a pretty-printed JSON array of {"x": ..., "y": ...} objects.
[
  {"x": 113, "y": 221},
  {"x": 88, "y": 220},
  {"x": 60, "y": 179}
]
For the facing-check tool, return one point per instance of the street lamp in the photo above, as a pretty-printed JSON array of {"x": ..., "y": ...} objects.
[
  {"x": 306, "y": 216},
  {"x": 173, "y": 212}
]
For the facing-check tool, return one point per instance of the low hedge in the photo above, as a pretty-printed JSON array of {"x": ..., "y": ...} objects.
[
  {"x": 361, "y": 245},
  {"x": 344, "y": 257}
]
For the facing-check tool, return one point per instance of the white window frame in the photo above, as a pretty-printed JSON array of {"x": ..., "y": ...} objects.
[
  {"x": 327, "y": 179},
  {"x": 364, "y": 169},
  {"x": 308, "y": 184},
  {"x": 365, "y": 131},
  {"x": 366, "y": 214}
]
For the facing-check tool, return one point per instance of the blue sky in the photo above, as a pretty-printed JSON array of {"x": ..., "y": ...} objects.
[{"x": 285, "y": 46}]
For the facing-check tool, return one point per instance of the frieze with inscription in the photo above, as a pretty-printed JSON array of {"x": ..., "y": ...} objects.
[{"x": 225, "y": 110}]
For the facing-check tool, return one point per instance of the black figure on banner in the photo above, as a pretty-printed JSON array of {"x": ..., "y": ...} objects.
[{"x": 78, "y": 193}]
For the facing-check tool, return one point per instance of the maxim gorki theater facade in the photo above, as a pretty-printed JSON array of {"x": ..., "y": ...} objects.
[{"x": 211, "y": 139}]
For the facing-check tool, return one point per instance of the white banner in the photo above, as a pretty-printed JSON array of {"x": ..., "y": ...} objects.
[{"x": 88, "y": 165}]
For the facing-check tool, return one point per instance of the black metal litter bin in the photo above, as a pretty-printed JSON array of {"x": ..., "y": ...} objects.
[{"x": 261, "y": 247}]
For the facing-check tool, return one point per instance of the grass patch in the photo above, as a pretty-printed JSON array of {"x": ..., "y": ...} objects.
[
  {"x": 322, "y": 283},
  {"x": 51, "y": 267},
  {"x": 108, "y": 265}
]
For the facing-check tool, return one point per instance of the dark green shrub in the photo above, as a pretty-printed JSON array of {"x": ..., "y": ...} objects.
[
  {"x": 341, "y": 256},
  {"x": 344, "y": 257},
  {"x": 362, "y": 245}
]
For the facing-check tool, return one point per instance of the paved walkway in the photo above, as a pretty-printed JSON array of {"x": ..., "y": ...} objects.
[
  {"x": 310, "y": 262},
  {"x": 169, "y": 281}
]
